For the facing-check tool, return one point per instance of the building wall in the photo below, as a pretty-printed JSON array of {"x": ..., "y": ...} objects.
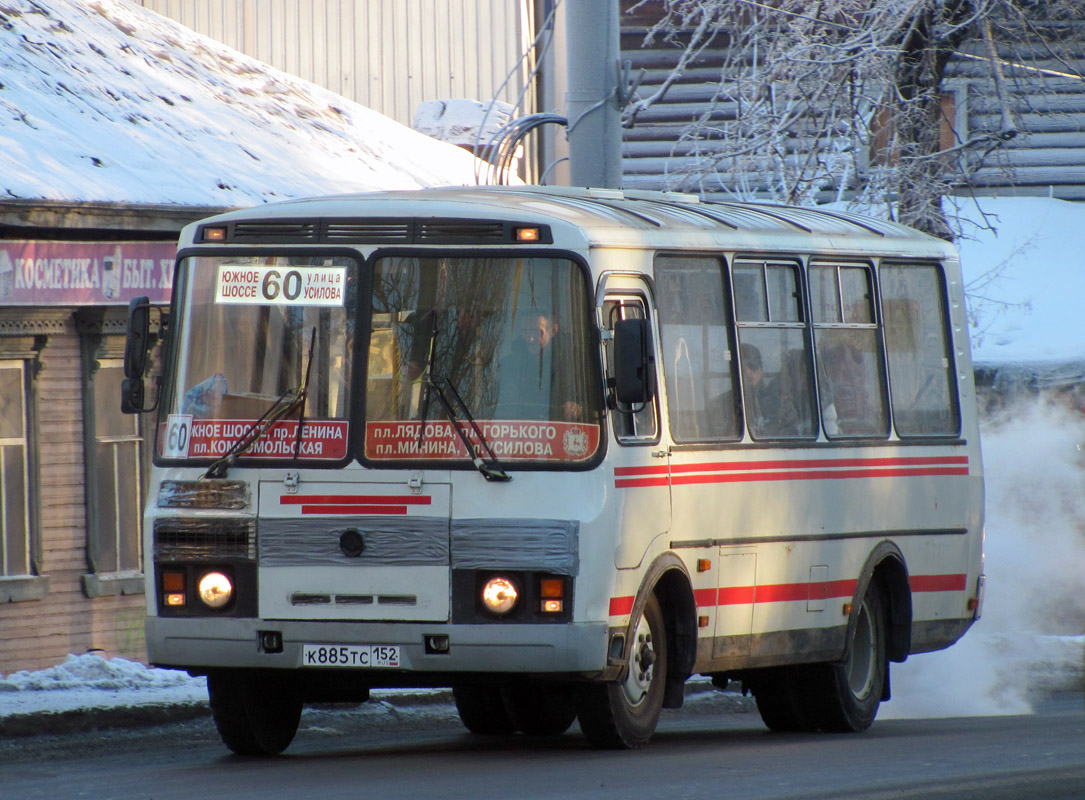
[
  {"x": 39, "y": 633},
  {"x": 389, "y": 55}
]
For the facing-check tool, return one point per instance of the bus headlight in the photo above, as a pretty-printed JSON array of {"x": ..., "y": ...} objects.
[
  {"x": 499, "y": 595},
  {"x": 215, "y": 589}
]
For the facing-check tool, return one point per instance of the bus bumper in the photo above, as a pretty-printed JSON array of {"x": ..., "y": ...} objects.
[{"x": 202, "y": 644}]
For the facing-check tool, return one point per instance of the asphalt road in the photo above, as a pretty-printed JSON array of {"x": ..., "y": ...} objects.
[{"x": 716, "y": 747}]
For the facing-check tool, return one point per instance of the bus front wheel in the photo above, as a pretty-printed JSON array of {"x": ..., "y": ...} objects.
[
  {"x": 624, "y": 714},
  {"x": 256, "y": 713}
]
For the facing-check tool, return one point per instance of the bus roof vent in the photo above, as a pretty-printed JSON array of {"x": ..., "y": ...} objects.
[
  {"x": 367, "y": 231},
  {"x": 446, "y": 231},
  {"x": 275, "y": 231}
]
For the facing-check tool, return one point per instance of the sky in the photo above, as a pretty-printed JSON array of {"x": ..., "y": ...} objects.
[{"x": 96, "y": 95}]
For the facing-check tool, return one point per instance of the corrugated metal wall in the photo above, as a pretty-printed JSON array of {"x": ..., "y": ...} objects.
[{"x": 389, "y": 55}]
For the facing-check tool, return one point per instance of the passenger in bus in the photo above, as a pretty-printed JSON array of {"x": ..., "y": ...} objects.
[
  {"x": 532, "y": 383},
  {"x": 846, "y": 398},
  {"x": 754, "y": 390}
]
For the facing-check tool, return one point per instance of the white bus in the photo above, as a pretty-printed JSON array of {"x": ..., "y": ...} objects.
[{"x": 559, "y": 450}]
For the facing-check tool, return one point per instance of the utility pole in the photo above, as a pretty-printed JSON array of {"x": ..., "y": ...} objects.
[{"x": 592, "y": 99}]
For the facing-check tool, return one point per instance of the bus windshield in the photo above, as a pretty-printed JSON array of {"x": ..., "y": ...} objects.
[
  {"x": 504, "y": 339},
  {"x": 262, "y": 335}
]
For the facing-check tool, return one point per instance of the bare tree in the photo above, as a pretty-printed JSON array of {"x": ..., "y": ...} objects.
[{"x": 844, "y": 97}]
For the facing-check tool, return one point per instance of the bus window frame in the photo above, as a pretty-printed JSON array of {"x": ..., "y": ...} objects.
[
  {"x": 171, "y": 350},
  {"x": 621, "y": 299},
  {"x": 363, "y": 324},
  {"x": 948, "y": 339},
  {"x": 798, "y": 263},
  {"x": 728, "y": 306},
  {"x": 876, "y": 324}
]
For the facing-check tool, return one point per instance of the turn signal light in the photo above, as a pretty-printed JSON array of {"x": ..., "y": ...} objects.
[
  {"x": 552, "y": 593},
  {"x": 173, "y": 587}
]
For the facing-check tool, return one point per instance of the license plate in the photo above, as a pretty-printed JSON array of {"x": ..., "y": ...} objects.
[{"x": 350, "y": 655}]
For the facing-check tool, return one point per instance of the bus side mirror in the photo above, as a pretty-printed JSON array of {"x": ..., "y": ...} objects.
[
  {"x": 132, "y": 396},
  {"x": 136, "y": 346},
  {"x": 137, "y": 343},
  {"x": 634, "y": 372}
]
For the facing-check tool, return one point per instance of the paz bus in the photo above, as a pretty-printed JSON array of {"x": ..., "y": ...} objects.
[{"x": 559, "y": 450}]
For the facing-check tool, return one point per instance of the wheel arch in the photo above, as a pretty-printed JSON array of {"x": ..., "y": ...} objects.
[
  {"x": 668, "y": 579},
  {"x": 887, "y": 570}
]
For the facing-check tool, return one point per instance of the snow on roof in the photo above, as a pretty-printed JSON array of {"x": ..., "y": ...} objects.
[{"x": 105, "y": 101}]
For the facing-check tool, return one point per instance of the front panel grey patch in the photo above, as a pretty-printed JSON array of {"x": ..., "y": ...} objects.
[
  {"x": 544, "y": 545},
  {"x": 386, "y": 541}
]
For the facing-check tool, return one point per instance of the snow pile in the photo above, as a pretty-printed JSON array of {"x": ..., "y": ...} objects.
[
  {"x": 89, "y": 681},
  {"x": 105, "y": 101}
]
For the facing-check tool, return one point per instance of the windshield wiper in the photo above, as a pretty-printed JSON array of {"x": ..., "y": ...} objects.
[
  {"x": 304, "y": 392},
  {"x": 444, "y": 389},
  {"x": 288, "y": 402}
]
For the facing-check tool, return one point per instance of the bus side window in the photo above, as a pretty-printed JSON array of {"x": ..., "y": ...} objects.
[
  {"x": 641, "y": 424},
  {"x": 921, "y": 372},
  {"x": 697, "y": 346},
  {"x": 851, "y": 380},
  {"x": 777, "y": 384}
]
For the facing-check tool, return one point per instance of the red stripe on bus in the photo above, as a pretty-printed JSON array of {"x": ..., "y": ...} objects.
[
  {"x": 354, "y": 499},
  {"x": 793, "y": 463},
  {"x": 318, "y": 508},
  {"x": 794, "y": 592},
  {"x": 938, "y": 583},
  {"x": 790, "y": 470},
  {"x": 816, "y": 475},
  {"x": 735, "y": 595},
  {"x": 797, "y": 475}
]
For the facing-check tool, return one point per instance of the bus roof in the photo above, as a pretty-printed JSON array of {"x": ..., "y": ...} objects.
[{"x": 601, "y": 216}]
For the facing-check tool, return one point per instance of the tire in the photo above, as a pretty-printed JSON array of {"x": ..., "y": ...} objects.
[
  {"x": 781, "y": 699},
  {"x": 482, "y": 710},
  {"x": 540, "y": 710},
  {"x": 846, "y": 694},
  {"x": 624, "y": 715},
  {"x": 256, "y": 713}
]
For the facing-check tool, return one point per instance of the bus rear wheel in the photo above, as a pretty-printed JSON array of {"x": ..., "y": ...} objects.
[
  {"x": 256, "y": 713},
  {"x": 624, "y": 715},
  {"x": 846, "y": 694},
  {"x": 782, "y": 700}
]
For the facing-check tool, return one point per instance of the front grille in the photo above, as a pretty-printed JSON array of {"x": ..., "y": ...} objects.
[{"x": 204, "y": 539}]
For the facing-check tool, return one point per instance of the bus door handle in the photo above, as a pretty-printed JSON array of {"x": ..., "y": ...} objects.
[{"x": 666, "y": 451}]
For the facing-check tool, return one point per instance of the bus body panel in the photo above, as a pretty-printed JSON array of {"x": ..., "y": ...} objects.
[{"x": 764, "y": 547}]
